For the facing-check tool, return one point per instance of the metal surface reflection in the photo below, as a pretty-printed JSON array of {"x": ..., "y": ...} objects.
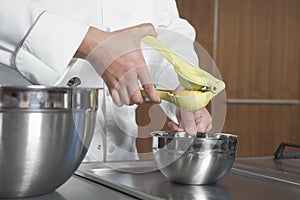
[
  {"x": 191, "y": 192},
  {"x": 194, "y": 160},
  {"x": 44, "y": 135}
]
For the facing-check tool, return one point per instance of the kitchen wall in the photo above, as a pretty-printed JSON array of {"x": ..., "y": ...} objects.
[{"x": 256, "y": 46}]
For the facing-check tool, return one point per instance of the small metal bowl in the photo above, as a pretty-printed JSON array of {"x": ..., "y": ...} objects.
[{"x": 203, "y": 159}]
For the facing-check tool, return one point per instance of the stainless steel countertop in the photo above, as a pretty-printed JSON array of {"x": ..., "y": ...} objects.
[
  {"x": 250, "y": 178},
  {"x": 242, "y": 182},
  {"x": 77, "y": 188}
]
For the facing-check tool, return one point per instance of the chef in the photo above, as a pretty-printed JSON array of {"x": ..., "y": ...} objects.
[{"x": 48, "y": 42}]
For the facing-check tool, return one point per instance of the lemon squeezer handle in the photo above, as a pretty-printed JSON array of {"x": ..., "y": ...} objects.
[
  {"x": 163, "y": 94},
  {"x": 183, "y": 68},
  {"x": 162, "y": 49}
]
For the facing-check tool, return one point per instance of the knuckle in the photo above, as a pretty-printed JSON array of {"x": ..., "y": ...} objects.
[
  {"x": 113, "y": 85},
  {"x": 148, "y": 86}
]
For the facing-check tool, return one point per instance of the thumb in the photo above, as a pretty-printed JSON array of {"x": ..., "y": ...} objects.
[{"x": 174, "y": 127}]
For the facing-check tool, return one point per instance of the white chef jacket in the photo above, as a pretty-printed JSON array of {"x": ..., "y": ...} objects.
[{"x": 38, "y": 39}]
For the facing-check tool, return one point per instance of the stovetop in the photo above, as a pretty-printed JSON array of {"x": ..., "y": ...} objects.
[
  {"x": 284, "y": 166},
  {"x": 252, "y": 177}
]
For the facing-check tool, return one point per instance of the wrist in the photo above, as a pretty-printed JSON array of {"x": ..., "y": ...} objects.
[{"x": 93, "y": 37}]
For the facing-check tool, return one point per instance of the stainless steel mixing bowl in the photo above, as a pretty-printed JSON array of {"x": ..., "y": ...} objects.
[
  {"x": 44, "y": 135},
  {"x": 203, "y": 159}
]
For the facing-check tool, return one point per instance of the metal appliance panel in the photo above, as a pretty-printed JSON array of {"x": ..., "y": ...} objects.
[{"x": 239, "y": 183}]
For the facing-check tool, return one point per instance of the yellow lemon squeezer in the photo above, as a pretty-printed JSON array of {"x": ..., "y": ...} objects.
[{"x": 199, "y": 86}]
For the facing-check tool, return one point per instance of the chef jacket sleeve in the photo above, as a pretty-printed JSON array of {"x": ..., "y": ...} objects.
[
  {"x": 37, "y": 43},
  {"x": 179, "y": 36}
]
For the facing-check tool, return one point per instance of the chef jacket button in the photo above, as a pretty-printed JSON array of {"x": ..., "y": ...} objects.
[
  {"x": 111, "y": 148},
  {"x": 107, "y": 29}
]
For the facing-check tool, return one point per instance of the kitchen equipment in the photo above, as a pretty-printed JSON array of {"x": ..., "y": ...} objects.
[
  {"x": 189, "y": 100},
  {"x": 250, "y": 178},
  {"x": 265, "y": 177},
  {"x": 203, "y": 159},
  {"x": 189, "y": 76},
  {"x": 44, "y": 135}
]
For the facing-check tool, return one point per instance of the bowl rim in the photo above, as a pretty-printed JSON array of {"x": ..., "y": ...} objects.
[
  {"x": 42, "y": 97},
  {"x": 44, "y": 87},
  {"x": 184, "y": 135}
]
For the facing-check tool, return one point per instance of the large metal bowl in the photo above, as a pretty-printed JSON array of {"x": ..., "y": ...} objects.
[
  {"x": 44, "y": 135},
  {"x": 203, "y": 159}
]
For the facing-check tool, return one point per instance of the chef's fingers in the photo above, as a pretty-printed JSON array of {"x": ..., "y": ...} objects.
[
  {"x": 188, "y": 122},
  {"x": 136, "y": 97},
  {"x": 203, "y": 120},
  {"x": 151, "y": 93},
  {"x": 112, "y": 85},
  {"x": 174, "y": 127},
  {"x": 143, "y": 72},
  {"x": 121, "y": 64},
  {"x": 116, "y": 98},
  {"x": 135, "y": 94},
  {"x": 131, "y": 78},
  {"x": 146, "y": 81},
  {"x": 124, "y": 95},
  {"x": 128, "y": 88}
]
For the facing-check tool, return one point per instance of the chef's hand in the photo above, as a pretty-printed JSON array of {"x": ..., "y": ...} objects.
[
  {"x": 192, "y": 122},
  {"x": 118, "y": 59}
]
